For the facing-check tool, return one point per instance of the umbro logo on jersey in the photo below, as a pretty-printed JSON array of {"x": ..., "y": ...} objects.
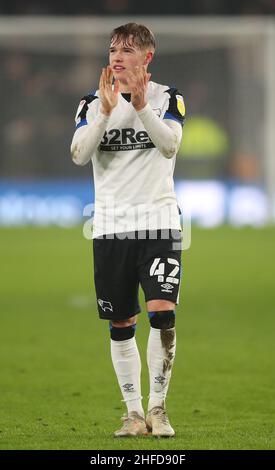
[
  {"x": 157, "y": 111},
  {"x": 105, "y": 305},
  {"x": 125, "y": 139},
  {"x": 167, "y": 287}
]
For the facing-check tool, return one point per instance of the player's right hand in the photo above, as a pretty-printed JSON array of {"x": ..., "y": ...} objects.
[{"x": 108, "y": 95}]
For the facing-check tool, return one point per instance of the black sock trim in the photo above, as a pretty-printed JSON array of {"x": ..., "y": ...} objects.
[
  {"x": 121, "y": 334},
  {"x": 162, "y": 320}
]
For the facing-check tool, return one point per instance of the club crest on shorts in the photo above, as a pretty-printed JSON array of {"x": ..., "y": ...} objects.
[{"x": 105, "y": 305}]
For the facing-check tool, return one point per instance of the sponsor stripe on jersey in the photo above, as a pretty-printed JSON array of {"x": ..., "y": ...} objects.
[{"x": 121, "y": 147}]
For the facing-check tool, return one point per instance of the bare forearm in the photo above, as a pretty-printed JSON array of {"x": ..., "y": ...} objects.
[
  {"x": 87, "y": 138},
  {"x": 165, "y": 136}
]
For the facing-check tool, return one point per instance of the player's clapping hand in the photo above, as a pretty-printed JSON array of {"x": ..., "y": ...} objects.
[
  {"x": 108, "y": 93},
  {"x": 138, "y": 84}
]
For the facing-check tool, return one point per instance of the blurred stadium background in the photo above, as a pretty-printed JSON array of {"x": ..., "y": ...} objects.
[{"x": 225, "y": 175}]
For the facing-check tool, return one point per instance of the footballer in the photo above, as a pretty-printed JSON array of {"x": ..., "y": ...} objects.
[{"x": 131, "y": 129}]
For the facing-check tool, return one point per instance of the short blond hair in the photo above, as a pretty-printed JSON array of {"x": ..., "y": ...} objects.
[{"x": 140, "y": 35}]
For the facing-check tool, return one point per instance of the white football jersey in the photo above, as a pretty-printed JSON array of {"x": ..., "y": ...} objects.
[{"x": 134, "y": 187}]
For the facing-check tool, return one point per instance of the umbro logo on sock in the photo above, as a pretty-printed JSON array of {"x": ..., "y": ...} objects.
[
  {"x": 160, "y": 380},
  {"x": 128, "y": 387}
]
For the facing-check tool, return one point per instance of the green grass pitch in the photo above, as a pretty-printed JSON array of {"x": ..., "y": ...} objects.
[{"x": 58, "y": 388}]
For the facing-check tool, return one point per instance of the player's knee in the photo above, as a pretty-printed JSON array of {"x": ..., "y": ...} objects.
[
  {"x": 160, "y": 305},
  {"x": 123, "y": 330},
  {"x": 123, "y": 323},
  {"x": 162, "y": 320}
]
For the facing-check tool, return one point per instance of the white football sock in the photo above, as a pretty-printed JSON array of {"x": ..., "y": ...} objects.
[
  {"x": 127, "y": 365},
  {"x": 160, "y": 357}
]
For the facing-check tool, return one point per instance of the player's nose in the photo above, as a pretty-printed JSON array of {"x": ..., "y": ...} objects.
[
  {"x": 117, "y": 59},
  {"x": 117, "y": 56}
]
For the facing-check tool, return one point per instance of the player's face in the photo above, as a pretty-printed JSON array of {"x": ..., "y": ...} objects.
[{"x": 124, "y": 56}]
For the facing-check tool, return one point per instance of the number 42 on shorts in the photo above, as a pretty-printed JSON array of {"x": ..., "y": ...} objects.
[{"x": 158, "y": 269}]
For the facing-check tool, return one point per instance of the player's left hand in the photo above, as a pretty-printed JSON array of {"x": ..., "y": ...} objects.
[{"x": 138, "y": 84}]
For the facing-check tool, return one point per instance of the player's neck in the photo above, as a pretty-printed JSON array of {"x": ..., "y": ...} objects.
[{"x": 123, "y": 87}]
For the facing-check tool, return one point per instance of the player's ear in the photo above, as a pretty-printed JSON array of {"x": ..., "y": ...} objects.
[{"x": 148, "y": 57}]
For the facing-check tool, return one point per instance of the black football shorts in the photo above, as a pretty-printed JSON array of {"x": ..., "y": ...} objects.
[{"x": 122, "y": 264}]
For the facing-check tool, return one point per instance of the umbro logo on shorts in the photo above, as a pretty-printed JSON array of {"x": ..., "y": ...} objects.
[
  {"x": 167, "y": 287},
  {"x": 105, "y": 305}
]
